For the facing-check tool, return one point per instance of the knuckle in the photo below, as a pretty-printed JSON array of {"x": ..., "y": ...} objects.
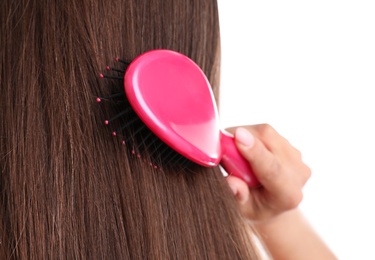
[
  {"x": 307, "y": 173},
  {"x": 266, "y": 130},
  {"x": 298, "y": 153},
  {"x": 293, "y": 200}
]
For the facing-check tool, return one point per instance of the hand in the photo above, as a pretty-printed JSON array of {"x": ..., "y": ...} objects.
[{"x": 277, "y": 165}]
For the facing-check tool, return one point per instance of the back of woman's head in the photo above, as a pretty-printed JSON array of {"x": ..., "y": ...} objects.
[{"x": 68, "y": 189}]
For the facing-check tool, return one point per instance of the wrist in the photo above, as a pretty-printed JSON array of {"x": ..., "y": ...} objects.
[{"x": 279, "y": 222}]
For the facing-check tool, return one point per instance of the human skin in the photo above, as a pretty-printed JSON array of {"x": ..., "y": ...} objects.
[{"x": 273, "y": 207}]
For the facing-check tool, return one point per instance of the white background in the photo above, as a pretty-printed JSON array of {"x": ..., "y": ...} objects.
[{"x": 308, "y": 69}]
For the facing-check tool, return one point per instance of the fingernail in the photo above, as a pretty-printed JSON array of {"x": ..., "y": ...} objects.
[
  {"x": 233, "y": 188},
  {"x": 244, "y": 137}
]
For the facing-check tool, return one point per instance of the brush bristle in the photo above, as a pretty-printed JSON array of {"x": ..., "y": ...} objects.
[{"x": 133, "y": 133}]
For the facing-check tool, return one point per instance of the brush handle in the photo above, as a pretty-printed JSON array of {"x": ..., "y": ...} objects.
[{"x": 233, "y": 162}]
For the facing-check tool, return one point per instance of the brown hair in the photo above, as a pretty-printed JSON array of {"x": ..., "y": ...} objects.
[{"x": 69, "y": 190}]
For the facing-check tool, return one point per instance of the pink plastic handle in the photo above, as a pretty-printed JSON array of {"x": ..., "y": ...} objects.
[{"x": 233, "y": 162}]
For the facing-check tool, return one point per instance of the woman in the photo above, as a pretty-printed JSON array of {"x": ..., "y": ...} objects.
[{"x": 70, "y": 191}]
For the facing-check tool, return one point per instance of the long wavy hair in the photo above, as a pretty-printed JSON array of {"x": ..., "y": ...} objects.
[{"x": 68, "y": 189}]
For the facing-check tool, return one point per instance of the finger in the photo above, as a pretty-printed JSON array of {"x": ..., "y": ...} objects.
[
  {"x": 239, "y": 188},
  {"x": 264, "y": 164},
  {"x": 271, "y": 139}
]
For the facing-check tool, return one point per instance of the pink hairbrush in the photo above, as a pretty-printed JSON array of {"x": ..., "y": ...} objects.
[{"x": 173, "y": 98}]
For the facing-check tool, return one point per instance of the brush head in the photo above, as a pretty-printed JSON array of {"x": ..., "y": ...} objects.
[
  {"x": 173, "y": 98},
  {"x": 170, "y": 112}
]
